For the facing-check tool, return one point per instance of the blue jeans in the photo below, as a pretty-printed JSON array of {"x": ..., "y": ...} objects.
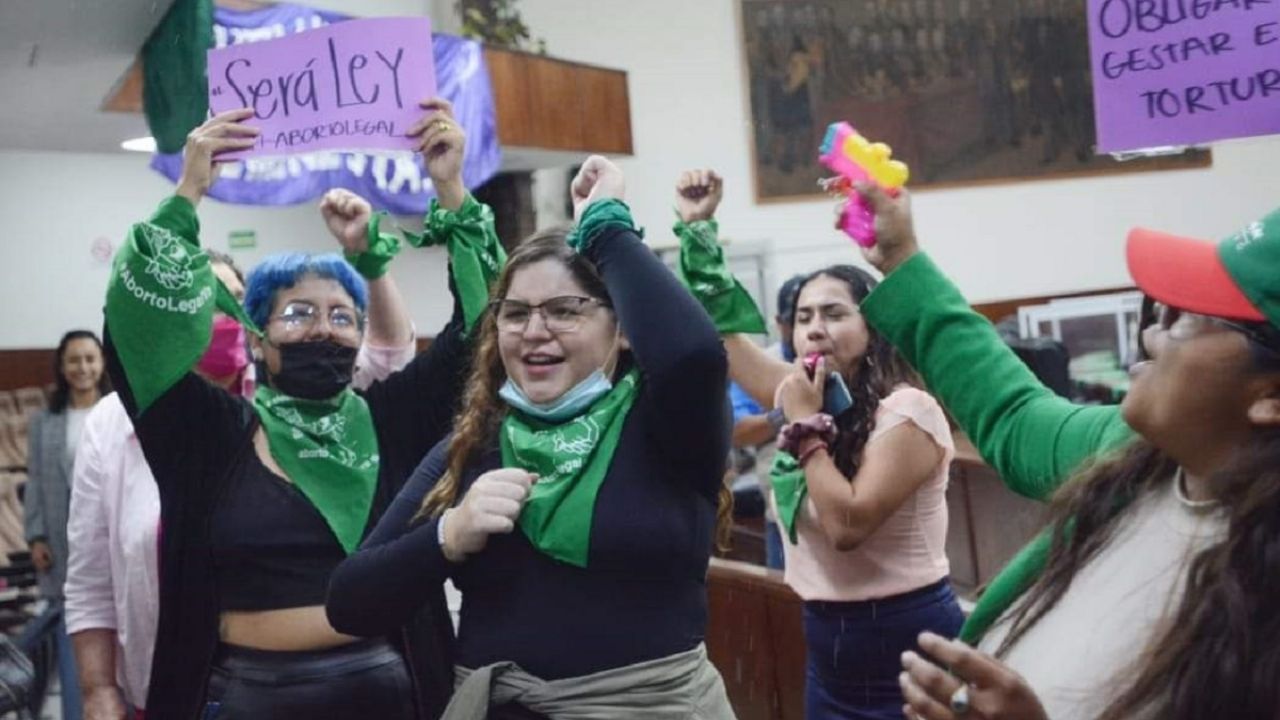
[
  {"x": 52, "y": 621},
  {"x": 855, "y": 649},
  {"x": 773, "y": 557},
  {"x": 68, "y": 678}
]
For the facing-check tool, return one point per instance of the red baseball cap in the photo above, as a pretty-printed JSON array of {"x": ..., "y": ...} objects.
[{"x": 1189, "y": 274}]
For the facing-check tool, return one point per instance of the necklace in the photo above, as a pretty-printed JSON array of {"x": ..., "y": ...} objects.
[{"x": 1180, "y": 489}]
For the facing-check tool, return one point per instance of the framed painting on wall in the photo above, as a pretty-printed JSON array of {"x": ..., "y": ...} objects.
[{"x": 964, "y": 91}]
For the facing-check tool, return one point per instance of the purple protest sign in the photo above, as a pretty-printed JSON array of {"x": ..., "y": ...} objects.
[
  {"x": 397, "y": 184},
  {"x": 347, "y": 86},
  {"x": 1184, "y": 72}
]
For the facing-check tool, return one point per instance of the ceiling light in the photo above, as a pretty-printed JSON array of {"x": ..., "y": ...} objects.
[{"x": 142, "y": 144}]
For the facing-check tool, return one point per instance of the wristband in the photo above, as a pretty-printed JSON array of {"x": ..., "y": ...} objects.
[
  {"x": 814, "y": 446},
  {"x": 440, "y": 534},
  {"x": 820, "y": 425},
  {"x": 776, "y": 419}
]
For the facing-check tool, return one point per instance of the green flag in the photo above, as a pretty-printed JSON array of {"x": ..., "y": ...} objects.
[{"x": 175, "y": 90}]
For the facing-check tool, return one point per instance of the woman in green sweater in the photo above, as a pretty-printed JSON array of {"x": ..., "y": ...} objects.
[{"x": 1153, "y": 593}]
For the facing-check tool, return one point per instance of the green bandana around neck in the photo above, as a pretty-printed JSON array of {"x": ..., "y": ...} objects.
[
  {"x": 161, "y": 298},
  {"x": 789, "y": 490},
  {"x": 570, "y": 460},
  {"x": 705, "y": 273},
  {"x": 160, "y": 304},
  {"x": 329, "y": 450}
]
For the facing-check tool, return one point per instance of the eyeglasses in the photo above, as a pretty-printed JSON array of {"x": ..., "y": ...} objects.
[
  {"x": 302, "y": 316},
  {"x": 1181, "y": 324},
  {"x": 562, "y": 314}
]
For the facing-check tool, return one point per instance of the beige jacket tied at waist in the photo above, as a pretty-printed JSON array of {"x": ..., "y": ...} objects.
[{"x": 684, "y": 686}]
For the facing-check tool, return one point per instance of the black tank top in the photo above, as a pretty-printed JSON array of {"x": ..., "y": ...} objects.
[{"x": 272, "y": 549}]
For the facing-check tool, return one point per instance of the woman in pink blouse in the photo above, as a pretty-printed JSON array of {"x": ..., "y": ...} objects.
[{"x": 859, "y": 490}]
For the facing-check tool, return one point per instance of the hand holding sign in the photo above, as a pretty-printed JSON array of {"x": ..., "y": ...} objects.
[
  {"x": 347, "y": 86},
  {"x": 442, "y": 142},
  {"x": 224, "y": 132},
  {"x": 346, "y": 214}
]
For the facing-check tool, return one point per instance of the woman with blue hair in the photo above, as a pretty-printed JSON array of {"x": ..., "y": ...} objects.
[{"x": 261, "y": 499}]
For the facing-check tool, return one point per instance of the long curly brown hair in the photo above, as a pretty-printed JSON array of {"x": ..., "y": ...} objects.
[
  {"x": 1218, "y": 654},
  {"x": 880, "y": 370},
  {"x": 477, "y": 424}
]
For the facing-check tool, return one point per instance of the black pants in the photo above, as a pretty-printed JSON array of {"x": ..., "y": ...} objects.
[{"x": 361, "y": 681}]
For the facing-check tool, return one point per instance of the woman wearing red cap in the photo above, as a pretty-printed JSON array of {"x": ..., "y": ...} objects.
[{"x": 1154, "y": 592}]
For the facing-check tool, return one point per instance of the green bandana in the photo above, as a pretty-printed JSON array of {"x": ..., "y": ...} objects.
[
  {"x": 598, "y": 217},
  {"x": 476, "y": 256},
  {"x": 376, "y": 259},
  {"x": 570, "y": 460},
  {"x": 161, "y": 298},
  {"x": 703, "y": 270},
  {"x": 328, "y": 449},
  {"x": 789, "y": 490},
  {"x": 160, "y": 303}
]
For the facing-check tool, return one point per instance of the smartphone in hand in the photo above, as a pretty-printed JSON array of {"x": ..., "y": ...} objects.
[{"x": 836, "y": 398}]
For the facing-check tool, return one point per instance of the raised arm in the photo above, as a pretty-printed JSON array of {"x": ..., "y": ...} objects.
[
  {"x": 674, "y": 343},
  {"x": 161, "y": 298},
  {"x": 414, "y": 409},
  {"x": 347, "y": 215},
  {"x": 1033, "y": 438},
  {"x": 705, "y": 273}
]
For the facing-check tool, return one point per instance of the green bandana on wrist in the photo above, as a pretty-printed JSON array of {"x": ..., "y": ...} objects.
[
  {"x": 476, "y": 256},
  {"x": 570, "y": 460},
  {"x": 789, "y": 490},
  {"x": 161, "y": 298},
  {"x": 704, "y": 271},
  {"x": 328, "y": 449},
  {"x": 598, "y": 217},
  {"x": 383, "y": 248}
]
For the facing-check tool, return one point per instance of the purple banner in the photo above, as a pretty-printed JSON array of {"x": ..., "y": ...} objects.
[
  {"x": 348, "y": 86},
  {"x": 392, "y": 182},
  {"x": 1184, "y": 72}
]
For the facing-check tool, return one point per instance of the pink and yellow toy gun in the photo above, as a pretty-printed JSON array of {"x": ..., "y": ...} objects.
[{"x": 858, "y": 160}]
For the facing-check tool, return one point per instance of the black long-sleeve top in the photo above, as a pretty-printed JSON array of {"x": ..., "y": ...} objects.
[
  {"x": 642, "y": 594},
  {"x": 198, "y": 441}
]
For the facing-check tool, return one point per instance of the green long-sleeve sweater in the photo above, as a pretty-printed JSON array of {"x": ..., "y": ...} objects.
[{"x": 1033, "y": 438}]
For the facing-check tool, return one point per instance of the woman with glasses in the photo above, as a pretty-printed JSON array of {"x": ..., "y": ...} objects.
[
  {"x": 261, "y": 499},
  {"x": 1153, "y": 592},
  {"x": 576, "y": 504}
]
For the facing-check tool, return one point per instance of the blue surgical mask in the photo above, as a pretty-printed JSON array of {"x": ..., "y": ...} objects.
[{"x": 573, "y": 403}]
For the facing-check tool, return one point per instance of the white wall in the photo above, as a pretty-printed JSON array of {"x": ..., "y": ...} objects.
[
  {"x": 56, "y": 205},
  {"x": 690, "y": 109}
]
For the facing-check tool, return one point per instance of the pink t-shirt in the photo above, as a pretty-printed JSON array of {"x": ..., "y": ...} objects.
[{"x": 905, "y": 553}]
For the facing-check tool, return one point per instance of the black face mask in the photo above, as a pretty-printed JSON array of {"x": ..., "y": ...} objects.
[{"x": 314, "y": 370}]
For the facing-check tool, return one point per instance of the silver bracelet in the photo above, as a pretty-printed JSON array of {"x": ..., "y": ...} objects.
[{"x": 440, "y": 528}]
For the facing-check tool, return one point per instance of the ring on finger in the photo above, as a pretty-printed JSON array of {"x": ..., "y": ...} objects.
[
  {"x": 443, "y": 125},
  {"x": 960, "y": 700}
]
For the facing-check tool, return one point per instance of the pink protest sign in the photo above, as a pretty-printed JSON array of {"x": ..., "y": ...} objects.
[
  {"x": 1184, "y": 72},
  {"x": 348, "y": 86}
]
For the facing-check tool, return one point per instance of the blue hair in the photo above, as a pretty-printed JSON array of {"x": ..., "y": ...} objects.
[{"x": 282, "y": 271}]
